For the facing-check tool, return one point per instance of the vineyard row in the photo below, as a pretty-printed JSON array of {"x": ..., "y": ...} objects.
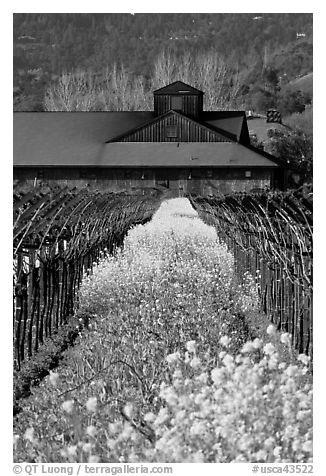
[
  {"x": 58, "y": 235},
  {"x": 271, "y": 237}
]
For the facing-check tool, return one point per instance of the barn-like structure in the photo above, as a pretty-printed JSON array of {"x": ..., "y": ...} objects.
[{"x": 178, "y": 145}]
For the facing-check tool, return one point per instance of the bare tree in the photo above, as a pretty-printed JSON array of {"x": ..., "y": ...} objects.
[
  {"x": 117, "y": 90},
  {"x": 207, "y": 72},
  {"x": 73, "y": 92}
]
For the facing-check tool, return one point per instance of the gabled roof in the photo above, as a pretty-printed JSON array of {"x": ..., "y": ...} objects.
[
  {"x": 73, "y": 139},
  {"x": 159, "y": 154},
  {"x": 233, "y": 122},
  {"x": 222, "y": 135},
  {"x": 178, "y": 87},
  {"x": 185, "y": 155},
  {"x": 47, "y": 136}
]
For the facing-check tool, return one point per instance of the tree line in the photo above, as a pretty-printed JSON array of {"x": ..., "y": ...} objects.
[{"x": 48, "y": 45}]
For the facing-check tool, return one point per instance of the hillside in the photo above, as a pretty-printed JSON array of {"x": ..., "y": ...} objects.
[
  {"x": 302, "y": 83},
  {"x": 259, "y": 127},
  {"x": 46, "y": 45}
]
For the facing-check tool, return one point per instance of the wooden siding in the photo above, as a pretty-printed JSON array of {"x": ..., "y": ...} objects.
[
  {"x": 187, "y": 131},
  {"x": 192, "y": 105},
  {"x": 179, "y": 181}
]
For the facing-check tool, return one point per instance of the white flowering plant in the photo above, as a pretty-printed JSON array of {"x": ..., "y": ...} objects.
[{"x": 170, "y": 370}]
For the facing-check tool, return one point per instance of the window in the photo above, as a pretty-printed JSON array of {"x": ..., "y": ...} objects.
[
  {"x": 163, "y": 183},
  {"x": 248, "y": 173},
  {"x": 176, "y": 103},
  {"x": 171, "y": 131},
  {"x": 162, "y": 179},
  {"x": 86, "y": 175}
]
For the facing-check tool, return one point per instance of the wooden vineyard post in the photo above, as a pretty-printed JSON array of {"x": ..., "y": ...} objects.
[
  {"x": 31, "y": 289},
  {"x": 55, "y": 294},
  {"x": 71, "y": 277},
  {"x": 301, "y": 322},
  {"x": 46, "y": 275},
  {"x": 51, "y": 296},
  {"x": 281, "y": 299},
  {"x": 37, "y": 282},
  {"x": 43, "y": 298},
  {"x": 62, "y": 284},
  {"x": 309, "y": 345},
  {"x": 18, "y": 310},
  {"x": 24, "y": 315},
  {"x": 293, "y": 324}
]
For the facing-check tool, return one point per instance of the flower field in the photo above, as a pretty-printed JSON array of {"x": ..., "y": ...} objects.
[{"x": 169, "y": 369}]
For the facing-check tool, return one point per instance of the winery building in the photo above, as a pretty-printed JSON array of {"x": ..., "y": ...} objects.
[{"x": 178, "y": 146}]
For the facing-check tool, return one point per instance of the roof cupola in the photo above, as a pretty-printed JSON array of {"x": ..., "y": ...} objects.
[{"x": 180, "y": 97}]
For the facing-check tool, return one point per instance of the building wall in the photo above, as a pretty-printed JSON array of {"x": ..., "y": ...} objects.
[
  {"x": 192, "y": 104},
  {"x": 202, "y": 181},
  {"x": 174, "y": 128}
]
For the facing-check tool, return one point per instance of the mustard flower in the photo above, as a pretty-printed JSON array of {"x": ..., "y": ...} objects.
[
  {"x": 271, "y": 330},
  {"x": 195, "y": 363},
  {"x": 53, "y": 378},
  {"x": 162, "y": 416},
  {"x": 301, "y": 415},
  {"x": 273, "y": 361},
  {"x": 269, "y": 349},
  {"x": 126, "y": 432},
  {"x": 29, "y": 435},
  {"x": 68, "y": 406},
  {"x": 15, "y": 440},
  {"x": 173, "y": 358},
  {"x": 191, "y": 346},
  {"x": 257, "y": 343},
  {"x": 277, "y": 451},
  {"x": 261, "y": 455},
  {"x": 248, "y": 347},
  {"x": 198, "y": 457},
  {"x": 225, "y": 341},
  {"x": 202, "y": 378},
  {"x": 269, "y": 442},
  {"x": 291, "y": 371},
  {"x": 64, "y": 453},
  {"x": 114, "y": 428},
  {"x": 177, "y": 374},
  {"x": 305, "y": 359},
  {"x": 285, "y": 338},
  {"x": 128, "y": 409},
  {"x": 91, "y": 404},
  {"x": 72, "y": 450},
  {"x": 111, "y": 442},
  {"x": 228, "y": 362},
  {"x": 307, "y": 446},
  {"x": 87, "y": 447},
  {"x": 149, "y": 417},
  {"x": 91, "y": 431},
  {"x": 197, "y": 428},
  {"x": 216, "y": 375}
]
